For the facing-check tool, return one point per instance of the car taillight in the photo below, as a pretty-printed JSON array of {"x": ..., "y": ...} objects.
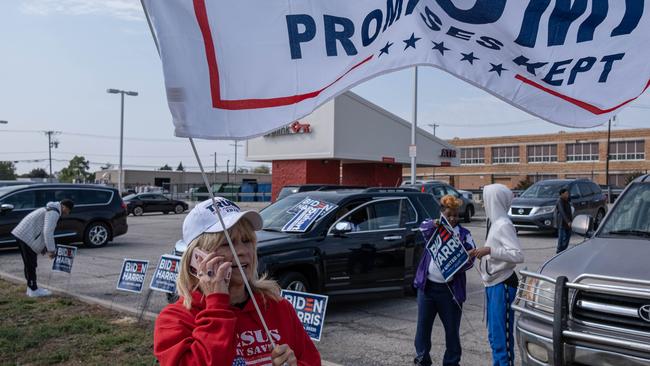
[
  {"x": 422, "y": 189},
  {"x": 123, "y": 205}
]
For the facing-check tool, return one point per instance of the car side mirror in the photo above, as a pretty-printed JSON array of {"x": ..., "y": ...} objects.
[
  {"x": 5, "y": 207},
  {"x": 582, "y": 224},
  {"x": 342, "y": 227}
]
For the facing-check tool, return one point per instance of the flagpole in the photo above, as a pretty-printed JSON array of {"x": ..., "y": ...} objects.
[
  {"x": 232, "y": 247},
  {"x": 414, "y": 127},
  {"x": 214, "y": 202}
]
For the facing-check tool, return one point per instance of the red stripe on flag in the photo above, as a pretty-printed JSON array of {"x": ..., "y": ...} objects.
[
  {"x": 584, "y": 105},
  {"x": 213, "y": 70}
]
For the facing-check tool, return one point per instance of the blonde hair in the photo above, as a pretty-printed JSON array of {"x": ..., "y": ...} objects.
[
  {"x": 450, "y": 201},
  {"x": 210, "y": 242}
]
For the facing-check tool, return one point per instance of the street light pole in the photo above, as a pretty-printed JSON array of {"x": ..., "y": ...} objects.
[
  {"x": 120, "y": 183},
  {"x": 414, "y": 126},
  {"x": 609, "y": 135}
]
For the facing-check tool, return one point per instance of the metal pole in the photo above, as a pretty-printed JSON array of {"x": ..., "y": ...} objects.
[
  {"x": 609, "y": 188},
  {"x": 49, "y": 144},
  {"x": 214, "y": 178},
  {"x": 236, "y": 161},
  {"x": 414, "y": 125},
  {"x": 232, "y": 247},
  {"x": 228, "y": 172},
  {"x": 120, "y": 183}
]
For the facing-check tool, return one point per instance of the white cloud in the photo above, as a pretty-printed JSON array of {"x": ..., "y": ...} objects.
[{"x": 121, "y": 9}]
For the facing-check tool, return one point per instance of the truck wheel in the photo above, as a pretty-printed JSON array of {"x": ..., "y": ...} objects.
[
  {"x": 599, "y": 218},
  {"x": 294, "y": 281}
]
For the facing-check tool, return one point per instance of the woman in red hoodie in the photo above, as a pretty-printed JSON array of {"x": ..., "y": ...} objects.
[{"x": 215, "y": 322}]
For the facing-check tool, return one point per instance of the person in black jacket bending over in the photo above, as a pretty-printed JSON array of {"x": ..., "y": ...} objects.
[{"x": 564, "y": 218}]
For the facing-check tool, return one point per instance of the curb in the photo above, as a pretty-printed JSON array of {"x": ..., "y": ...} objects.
[
  {"x": 94, "y": 301},
  {"x": 87, "y": 299}
]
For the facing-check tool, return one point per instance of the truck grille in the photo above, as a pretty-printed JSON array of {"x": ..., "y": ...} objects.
[
  {"x": 610, "y": 310},
  {"x": 521, "y": 211}
]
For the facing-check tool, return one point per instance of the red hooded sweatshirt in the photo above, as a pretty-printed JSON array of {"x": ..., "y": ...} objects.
[{"x": 215, "y": 333}]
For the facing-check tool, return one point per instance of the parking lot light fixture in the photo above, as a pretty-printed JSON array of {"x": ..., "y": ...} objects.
[
  {"x": 120, "y": 183},
  {"x": 3, "y": 122}
]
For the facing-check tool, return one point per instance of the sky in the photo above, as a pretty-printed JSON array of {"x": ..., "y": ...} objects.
[{"x": 58, "y": 57}]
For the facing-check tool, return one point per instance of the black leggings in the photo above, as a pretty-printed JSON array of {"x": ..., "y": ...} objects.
[{"x": 30, "y": 259}]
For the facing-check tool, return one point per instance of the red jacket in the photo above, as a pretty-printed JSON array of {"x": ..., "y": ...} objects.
[{"x": 215, "y": 333}]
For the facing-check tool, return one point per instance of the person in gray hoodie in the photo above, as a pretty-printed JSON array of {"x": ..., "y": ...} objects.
[
  {"x": 498, "y": 259},
  {"x": 35, "y": 234}
]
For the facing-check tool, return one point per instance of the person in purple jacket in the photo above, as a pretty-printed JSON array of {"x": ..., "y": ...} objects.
[{"x": 438, "y": 297}]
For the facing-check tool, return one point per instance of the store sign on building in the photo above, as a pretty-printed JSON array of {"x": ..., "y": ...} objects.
[
  {"x": 448, "y": 153},
  {"x": 292, "y": 129}
]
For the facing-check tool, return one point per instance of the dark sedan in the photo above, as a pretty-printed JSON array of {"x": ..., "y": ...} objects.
[{"x": 138, "y": 204}]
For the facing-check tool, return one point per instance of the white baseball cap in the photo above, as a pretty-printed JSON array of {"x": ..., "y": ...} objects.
[{"x": 203, "y": 218}]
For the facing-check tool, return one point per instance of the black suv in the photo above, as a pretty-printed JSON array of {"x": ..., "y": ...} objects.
[
  {"x": 99, "y": 215},
  {"x": 535, "y": 208},
  {"x": 370, "y": 243}
]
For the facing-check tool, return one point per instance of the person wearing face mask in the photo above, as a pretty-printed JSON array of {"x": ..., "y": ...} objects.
[
  {"x": 498, "y": 259},
  {"x": 214, "y": 322},
  {"x": 439, "y": 297}
]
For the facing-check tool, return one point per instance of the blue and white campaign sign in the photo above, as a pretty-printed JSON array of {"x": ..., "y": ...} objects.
[
  {"x": 305, "y": 213},
  {"x": 64, "y": 258},
  {"x": 310, "y": 309},
  {"x": 239, "y": 69},
  {"x": 446, "y": 249},
  {"x": 132, "y": 275},
  {"x": 164, "y": 278}
]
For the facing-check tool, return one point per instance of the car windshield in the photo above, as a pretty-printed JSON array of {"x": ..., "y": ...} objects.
[
  {"x": 287, "y": 191},
  {"x": 631, "y": 215},
  {"x": 276, "y": 215},
  {"x": 129, "y": 197},
  {"x": 548, "y": 190}
]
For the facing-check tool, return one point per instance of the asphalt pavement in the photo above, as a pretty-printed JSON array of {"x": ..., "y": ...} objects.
[{"x": 375, "y": 331}]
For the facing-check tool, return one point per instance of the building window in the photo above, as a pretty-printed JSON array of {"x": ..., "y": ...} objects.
[
  {"x": 542, "y": 153},
  {"x": 505, "y": 155},
  {"x": 472, "y": 156},
  {"x": 587, "y": 151},
  {"x": 617, "y": 180},
  {"x": 627, "y": 150},
  {"x": 540, "y": 177}
]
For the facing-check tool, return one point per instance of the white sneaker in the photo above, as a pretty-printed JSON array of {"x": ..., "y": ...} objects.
[{"x": 39, "y": 292}]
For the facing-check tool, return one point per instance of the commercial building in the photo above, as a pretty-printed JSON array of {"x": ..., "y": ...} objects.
[
  {"x": 166, "y": 179},
  {"x": 512, "y": 159},
  {"x": 346, "y": 141}
]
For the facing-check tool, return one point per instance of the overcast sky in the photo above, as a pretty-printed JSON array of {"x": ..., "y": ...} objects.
[{"x": 58, "y": 57}]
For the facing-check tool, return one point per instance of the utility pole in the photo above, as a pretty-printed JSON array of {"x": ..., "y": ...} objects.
[
  {"x": 236, "y": 145},
  {"x": 227, "y": 171},
  {"x": 433, "y": 126},
  {"x": 51, "y": 144},
  {"x": 609, "y": 135},
  {"x": 214, "y": 179}
]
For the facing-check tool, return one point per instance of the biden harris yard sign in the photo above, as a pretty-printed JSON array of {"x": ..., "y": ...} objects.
[
  {"x": 164, "y": 278},
  {"x": 310, "y": 309},
  {"x": 238, "y": 69},
  {"x": 132, "y": 275},
  {"x": 64, "y": 258},
  {"x": 447, "y": 250}
]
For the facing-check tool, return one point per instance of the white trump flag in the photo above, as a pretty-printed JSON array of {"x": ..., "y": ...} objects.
[{"x": 238, "y": 69}]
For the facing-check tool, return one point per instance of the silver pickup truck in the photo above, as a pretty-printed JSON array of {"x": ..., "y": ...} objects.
[{"x": 590, "y": 305}]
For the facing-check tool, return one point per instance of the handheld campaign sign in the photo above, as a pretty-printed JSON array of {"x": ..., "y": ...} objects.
[
  {"x": 164, "y": 278},
  {"x": 447, "y": 250},
  {"x": 310, "y": 309},
  {"x": 306, "y": 212},
  {"x": 64, "y": 258},
  {"x": 132, "y": 275}
]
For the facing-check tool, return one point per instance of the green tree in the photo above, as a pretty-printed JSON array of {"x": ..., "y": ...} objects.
[
  {"x": 180, "y": 167},
  {"x": 76, "y": 171},
  {"x": 7, "y": 170},
  {"x": 262, "y": 169},
  {"x": 37, "y": 173},
  {"x": 523, "y": 185},
  {"x": 166, "y": 167}
]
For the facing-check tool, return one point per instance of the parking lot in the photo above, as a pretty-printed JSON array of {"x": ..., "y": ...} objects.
[{"x": 376, "y": 331}]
